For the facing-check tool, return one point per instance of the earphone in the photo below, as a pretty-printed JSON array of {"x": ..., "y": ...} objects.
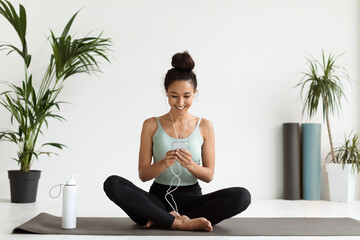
[
  {"x": 176, "y": 176},
  {"x": 169, "y": 191}
]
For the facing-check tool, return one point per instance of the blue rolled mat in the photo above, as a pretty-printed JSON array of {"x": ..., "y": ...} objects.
[{"x": 311, "y": 160}]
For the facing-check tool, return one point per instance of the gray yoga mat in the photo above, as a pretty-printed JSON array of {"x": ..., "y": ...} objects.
[
  {"x": 48, "y": 224},
  {"x": 291, "y": 158}
]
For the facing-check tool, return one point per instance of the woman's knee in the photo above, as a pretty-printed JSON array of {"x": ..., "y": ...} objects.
[
  {"x": 109, "y": 183},
  {"x": 108, "y": 186},
  {"x": 242, "y": 198},
  {"x": 112, "y": 184}
]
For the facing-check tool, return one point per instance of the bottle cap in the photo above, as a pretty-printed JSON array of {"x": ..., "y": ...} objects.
[{"x": 70, "y": 180}]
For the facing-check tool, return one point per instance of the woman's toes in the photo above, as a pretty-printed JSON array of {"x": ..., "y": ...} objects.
[{"x": 147, "y": 225}]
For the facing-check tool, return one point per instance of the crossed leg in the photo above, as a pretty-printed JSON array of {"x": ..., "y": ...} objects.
[
  {"x": 216, "y": 206},
  {"x": 145, "y": 208}
]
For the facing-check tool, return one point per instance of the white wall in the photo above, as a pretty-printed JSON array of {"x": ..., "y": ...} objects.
[{"x": 249, "y": 55}]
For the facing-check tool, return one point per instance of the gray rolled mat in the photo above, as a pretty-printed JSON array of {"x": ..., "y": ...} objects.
[
  {"x": 291, "y": 158},
  {"x": 48, "y": 224}
]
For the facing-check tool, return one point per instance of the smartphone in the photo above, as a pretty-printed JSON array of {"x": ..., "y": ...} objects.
[{"x": 179, "y": 145}]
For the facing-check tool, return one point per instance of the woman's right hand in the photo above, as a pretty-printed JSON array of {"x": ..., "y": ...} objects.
[{"x": 169, "y": 159}]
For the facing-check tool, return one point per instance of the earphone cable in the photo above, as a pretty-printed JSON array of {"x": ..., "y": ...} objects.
[{"x": 176, "y": 176}]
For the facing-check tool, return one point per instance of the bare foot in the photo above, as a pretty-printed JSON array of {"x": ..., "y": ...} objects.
[
  {"x": 196, "y": 224},
  {"x": 150, "y": 223},
  {"x": 175, "y": 214}
]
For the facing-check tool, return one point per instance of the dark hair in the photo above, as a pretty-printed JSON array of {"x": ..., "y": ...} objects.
[{"x": 183, "y": 64}]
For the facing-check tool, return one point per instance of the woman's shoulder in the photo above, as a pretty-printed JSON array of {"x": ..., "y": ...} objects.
[
  {"x": 150, "y": 121},
  {"x": 206, "y": 127},
  {"x": 150, "y": 125},
  {"x": 205, "y": 123}
]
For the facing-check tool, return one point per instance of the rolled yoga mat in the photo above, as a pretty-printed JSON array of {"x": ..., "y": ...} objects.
[
  {"x": 291, "y": 161},
  {"x": 311, "y": 160},
  {"x": 48, "y": 224}
]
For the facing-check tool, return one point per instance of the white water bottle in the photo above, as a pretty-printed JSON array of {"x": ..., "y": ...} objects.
[{"x": 68, "y": 220}]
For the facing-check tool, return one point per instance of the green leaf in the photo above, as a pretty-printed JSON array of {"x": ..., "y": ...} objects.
[
  {"x": 68, "y": 25},
  {"x": 19, "y": 24},
  {"x": 22, "y": 24},
  {"x": 57, "y": 145}
]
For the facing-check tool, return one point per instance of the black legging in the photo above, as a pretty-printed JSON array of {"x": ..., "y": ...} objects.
[{"x": 142, "y": 206}]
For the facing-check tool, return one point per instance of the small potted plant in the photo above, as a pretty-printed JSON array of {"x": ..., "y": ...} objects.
[
  {"x": 342, "y": 171},
  {"x": 31, "y": 108}
]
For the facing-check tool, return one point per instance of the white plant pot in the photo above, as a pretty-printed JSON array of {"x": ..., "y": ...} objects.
[{"x": 341, "y": 182}]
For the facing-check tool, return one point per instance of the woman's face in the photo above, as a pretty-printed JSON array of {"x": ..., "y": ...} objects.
[{"x": 181, "y": 95}]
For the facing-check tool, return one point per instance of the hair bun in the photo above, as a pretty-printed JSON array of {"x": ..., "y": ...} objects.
[{"x": 183, "y": 61}]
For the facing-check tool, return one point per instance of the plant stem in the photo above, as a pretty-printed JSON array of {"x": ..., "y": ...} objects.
[
  {"x": 329, "y": 131},
  {"x": 38, "y": 129},
  {"x": 25, "y": 162}
]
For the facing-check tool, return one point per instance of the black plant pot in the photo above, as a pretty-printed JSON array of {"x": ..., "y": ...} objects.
[{"x": 23, "y": 185}]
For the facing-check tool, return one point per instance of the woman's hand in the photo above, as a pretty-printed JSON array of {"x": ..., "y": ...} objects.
[
  {"x": 169, "y": 159},
  {"x": 184, "y": 157}
]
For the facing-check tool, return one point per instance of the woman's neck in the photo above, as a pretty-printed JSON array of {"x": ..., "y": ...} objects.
[{"x": 182, "y": 118}]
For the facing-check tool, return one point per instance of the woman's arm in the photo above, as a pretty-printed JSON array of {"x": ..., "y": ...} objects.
[
  {"x": 148, "y": 171},
  {"x": 206, "y": 171}
]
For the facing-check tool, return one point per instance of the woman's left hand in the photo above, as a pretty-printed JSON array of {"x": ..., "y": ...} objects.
[{"x": 184, "y": 157}]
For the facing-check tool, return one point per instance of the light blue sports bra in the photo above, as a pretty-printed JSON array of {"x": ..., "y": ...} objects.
[{"x": 162, "y": 143}]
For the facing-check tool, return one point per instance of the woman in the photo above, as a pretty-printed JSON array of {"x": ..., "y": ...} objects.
[{"x": 175, "y": 199}]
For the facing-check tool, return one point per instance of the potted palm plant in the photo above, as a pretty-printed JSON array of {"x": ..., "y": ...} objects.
[
  {"x": 343, "y": 171},
  {"x": 323, "y": 82},
  {"x": 31, "y": 108}
]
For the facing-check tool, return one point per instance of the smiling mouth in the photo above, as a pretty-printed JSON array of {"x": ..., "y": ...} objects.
[{"x": 180, "y": 108}]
